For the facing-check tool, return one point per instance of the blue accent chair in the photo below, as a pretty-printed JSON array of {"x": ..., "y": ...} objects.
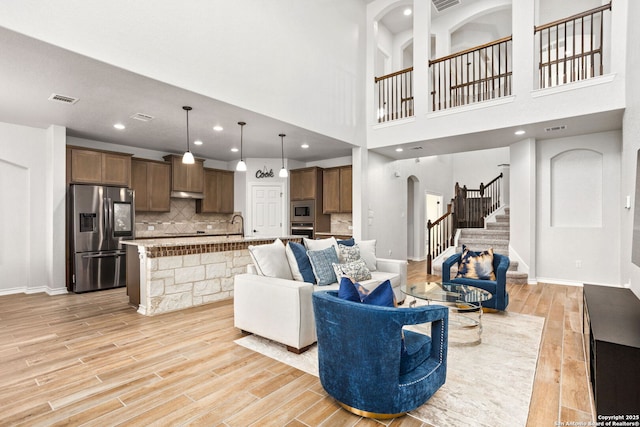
[
  {"x": 367, "y": 364},
  {"x": 498, "y": 287}
]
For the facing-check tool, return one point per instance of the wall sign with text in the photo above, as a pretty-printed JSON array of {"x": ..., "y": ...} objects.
[{"x": 264, "y": 173}]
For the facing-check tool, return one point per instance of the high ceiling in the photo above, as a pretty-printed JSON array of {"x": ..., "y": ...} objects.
[{"x": 31, "y": 71}]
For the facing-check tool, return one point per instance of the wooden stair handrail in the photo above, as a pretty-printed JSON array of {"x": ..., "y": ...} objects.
[
  {"x": 572, "y": 17},
  {"x": 471, "y": 49}
]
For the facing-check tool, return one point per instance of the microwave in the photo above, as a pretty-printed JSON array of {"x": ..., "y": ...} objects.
[{"x": 303, "y": 211}]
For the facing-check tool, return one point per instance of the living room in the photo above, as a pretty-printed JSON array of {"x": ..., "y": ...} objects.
[{"x": 345, "y": 54}]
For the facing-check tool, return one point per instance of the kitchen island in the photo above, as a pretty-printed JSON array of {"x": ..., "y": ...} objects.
[{"x": 168, "y": 274}]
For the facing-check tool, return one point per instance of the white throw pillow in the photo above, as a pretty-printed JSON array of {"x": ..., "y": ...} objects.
[
  {"x": 271, "y": 260},
  {"x": 368, "y": 253},
  {"x": 320, "y": 244}
]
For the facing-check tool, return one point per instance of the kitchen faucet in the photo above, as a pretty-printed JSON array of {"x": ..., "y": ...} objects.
[{"x": 233, "y": 219}]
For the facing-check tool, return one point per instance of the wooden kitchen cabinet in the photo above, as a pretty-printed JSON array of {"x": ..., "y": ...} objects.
[
  {"x": 218, "y": 192},
  {"x": 151, "y": 181},
  {"x": 305, "y": 184},
  {"x": 337, "y": 190},
  {"x": 184, "y": 177},
  {"x": 88, "y": 166}
]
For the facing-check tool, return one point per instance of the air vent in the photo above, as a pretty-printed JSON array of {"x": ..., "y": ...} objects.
[
  {"x": 415, "y": 148},
  {"x": 441, "y": 5},
  {"x": 555, "y": 128},
  {"x": 63, "y": 98},
  {"x": 142, "y": 117}
]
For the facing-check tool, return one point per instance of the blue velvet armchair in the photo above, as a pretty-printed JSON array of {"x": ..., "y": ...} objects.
[
  {"x": 498, "y": 287},
  {"x": 372, "y": 367}
]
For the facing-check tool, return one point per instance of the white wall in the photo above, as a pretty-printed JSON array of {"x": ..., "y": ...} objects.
[
  {"x": 585, "y": 247},
  {"x": 32, "y": 225},
  {"x": 473, "y": 167},
  {"x": 268, "y": 57}
]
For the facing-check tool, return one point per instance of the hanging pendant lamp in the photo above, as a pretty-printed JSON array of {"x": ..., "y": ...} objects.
[
  {"x": 188, "y": 157},
  {"x": 242, "y": 166},
  {"x": 283, "y": 172}
]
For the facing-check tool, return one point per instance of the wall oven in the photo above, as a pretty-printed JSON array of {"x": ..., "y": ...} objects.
[
  {"x": 303, "y": 211},
  {"x": 303, "y": 229}
]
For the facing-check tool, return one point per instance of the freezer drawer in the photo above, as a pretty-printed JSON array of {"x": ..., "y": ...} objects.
[{"x": 99, "y": 270}]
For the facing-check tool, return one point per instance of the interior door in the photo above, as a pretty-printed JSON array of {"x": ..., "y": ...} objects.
[{"x": 266, "y": 211}]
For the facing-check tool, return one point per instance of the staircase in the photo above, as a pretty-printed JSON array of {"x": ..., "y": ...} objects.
[{"x": 495, "y": 235}]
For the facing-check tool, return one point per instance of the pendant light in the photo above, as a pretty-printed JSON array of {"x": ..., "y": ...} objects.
[
  {"x": 283, "y": 172},
  {"x": 188, "y": 157},
  {"x": 242, "y": 166}
]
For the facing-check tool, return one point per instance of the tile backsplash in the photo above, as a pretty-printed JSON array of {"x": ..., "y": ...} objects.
[
  {"x": 182, "y": 218},
  {"x": 342, "y": 224}
]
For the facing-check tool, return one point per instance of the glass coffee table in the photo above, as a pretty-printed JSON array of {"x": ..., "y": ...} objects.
[{"x": 465, "y": 307}]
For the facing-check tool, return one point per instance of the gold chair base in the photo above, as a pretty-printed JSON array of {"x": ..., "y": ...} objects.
[{"x": 368, "y": 414}]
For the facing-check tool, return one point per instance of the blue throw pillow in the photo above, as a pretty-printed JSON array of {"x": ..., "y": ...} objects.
[
  {"x": 304, "y": 265},
  {"x": 322, "y": 263},
  {"x": 348, "y": 291},
  {"x": 348, "y": 242},
  {"x": 382, "y": 295}
]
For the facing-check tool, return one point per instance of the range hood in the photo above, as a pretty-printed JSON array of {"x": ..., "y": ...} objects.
[{"x": 186, "y": 195}]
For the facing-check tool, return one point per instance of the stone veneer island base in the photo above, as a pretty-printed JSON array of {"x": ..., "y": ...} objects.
[{"x": 169, "y": 274}]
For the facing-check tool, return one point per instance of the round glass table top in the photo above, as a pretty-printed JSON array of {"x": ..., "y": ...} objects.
[{"x": 446, "y": 292}]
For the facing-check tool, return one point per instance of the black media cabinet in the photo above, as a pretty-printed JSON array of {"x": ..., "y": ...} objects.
[{"x": 611, "y": 327}]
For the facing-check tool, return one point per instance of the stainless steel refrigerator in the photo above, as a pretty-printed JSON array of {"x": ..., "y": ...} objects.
[{"x": 102, "y": 217}]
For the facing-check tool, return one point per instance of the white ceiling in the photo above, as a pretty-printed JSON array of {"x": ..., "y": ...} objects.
[{"x": 31, "y": 70}]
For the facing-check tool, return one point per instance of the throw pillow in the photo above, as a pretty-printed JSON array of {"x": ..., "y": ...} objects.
[
  {"x": 321, "y": 263},
  {"x": 319, "y": 244},
  {"x": 382, "y": 295},
  {"x": 348, "y": 291},
  {"x": 270, "y": 260},
  {"x": 476, "y": 265},
  {"x": 356, "y": 270},
  {"x": 348, "y": 253},
  {"x": 299, "y": 263},
  {"x": 368, "y": 253},
  {"x": 348, "y": 242}
]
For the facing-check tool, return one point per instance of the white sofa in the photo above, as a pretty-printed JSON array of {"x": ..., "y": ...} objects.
[{"x": 281, "y": 309}]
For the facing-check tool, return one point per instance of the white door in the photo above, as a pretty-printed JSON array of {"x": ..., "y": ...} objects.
[{"x": 266, "y": 211}]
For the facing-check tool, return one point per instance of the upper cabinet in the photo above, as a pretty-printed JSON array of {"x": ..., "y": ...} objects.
[
  {"x": 218, "y": 192},
  {"x": 87, "y": 166},
  {"x": 184, "y": 177},
  {"x": 337, "y": 190},
  {"x": 151, "y": 181},
  {"x": 305, "y": 183}
]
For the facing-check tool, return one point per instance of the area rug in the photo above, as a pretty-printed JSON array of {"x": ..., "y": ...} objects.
[{"x": 488, "y": 384}]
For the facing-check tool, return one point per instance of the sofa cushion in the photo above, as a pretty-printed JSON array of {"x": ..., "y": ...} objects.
[
  {"x": 356, "y": 270},
  {"x": 271, "y": 260},
  {"x": 476, "y": 265},
  {"x": 368, "y": 253},
  {"x": 321, "y": 262},
  {"x": 348, "y": 254},
  {"x": 299, "y": 263},
  {"x": 416, "y": 349}
]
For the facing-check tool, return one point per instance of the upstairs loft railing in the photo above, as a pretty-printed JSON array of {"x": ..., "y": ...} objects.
[
  {"x": 468, "y": 209},
  {"x": 394, "y": 95},
  {"x": 477, "y": 74},
  {"x": 571, "y": 49}
]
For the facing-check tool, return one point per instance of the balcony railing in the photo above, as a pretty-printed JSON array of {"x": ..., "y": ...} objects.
[
  {"x": 570, "y": 49},
  {"x": 395, "y": 95},
  {"x": 473, "y": 75}
]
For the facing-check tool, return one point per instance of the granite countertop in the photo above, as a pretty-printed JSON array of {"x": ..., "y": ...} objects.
[{"x": 200, "y": 239}]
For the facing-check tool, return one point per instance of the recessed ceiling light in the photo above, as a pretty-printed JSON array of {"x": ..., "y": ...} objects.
[
  {"x": 217, "y": 128},
  {"x": 234, "y": 150},
  {"x": 399, "y": 149},
  {"x": 119, "y": 126},
  {"x": 520, "y": 132},
  {"x": 407, "y": 11},
  {"x": 305, "y": 146},
  {"x": 197, "y": 142}
]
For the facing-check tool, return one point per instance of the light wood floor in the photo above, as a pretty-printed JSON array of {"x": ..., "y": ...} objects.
[{"x": 91, "y": 360}]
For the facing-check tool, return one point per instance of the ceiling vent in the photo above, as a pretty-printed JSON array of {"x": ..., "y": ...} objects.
[
  {"x": 555, "y": 128},
  {"x": 442, "y": 5},
  {"x": 63, "y": 98},
  {"x": 142, "y": 117},
  {"x": 415, "y": 148}
]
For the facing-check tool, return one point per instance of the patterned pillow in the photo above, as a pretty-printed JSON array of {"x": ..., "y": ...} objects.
[
  {"x": 356, "y": 270},
  {"x": 348, "y": 254},
  {"x": 476, "y": 265},
  {"x": 321, "y": 262}
]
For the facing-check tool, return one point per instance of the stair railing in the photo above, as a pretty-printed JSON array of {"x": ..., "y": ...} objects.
[
  {"x": 440, "y": 235},
  {"x": 394, "y": 95},
  {"x": 571, "y": 49}
]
